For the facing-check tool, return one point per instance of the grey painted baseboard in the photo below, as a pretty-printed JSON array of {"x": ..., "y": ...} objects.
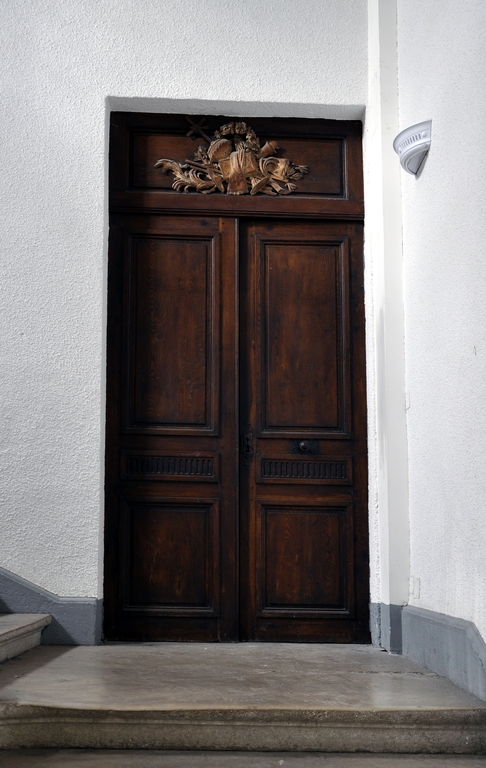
[
  {"x": 75, "y": 620},
  {"x": 386, "y": 626},
  {"x": 446, "y": 645},
  {"x": 375, "y": 624}
]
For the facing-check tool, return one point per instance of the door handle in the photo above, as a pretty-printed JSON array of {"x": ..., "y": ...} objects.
[
  {"x": 304, "y": 446},
  {"x": 247, "y": 450}
]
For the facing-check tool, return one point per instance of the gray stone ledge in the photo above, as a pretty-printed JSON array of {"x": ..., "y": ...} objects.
[
  {"x": 20, "y": 633},
  {"x": 449, "y": 646},
  {"x": 75, "y": 620}
]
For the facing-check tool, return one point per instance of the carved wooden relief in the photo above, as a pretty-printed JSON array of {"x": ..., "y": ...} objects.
[
  {"x": 323, "y": 471},
  {"x": 176, "y": 467},
  {"x": 234, "y": 163}
]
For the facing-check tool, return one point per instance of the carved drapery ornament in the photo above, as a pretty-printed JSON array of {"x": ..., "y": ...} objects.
[{"x": 235, "y": 164}]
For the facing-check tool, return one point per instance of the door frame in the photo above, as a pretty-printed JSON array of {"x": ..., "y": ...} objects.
[{"x": 350, "y": 207}]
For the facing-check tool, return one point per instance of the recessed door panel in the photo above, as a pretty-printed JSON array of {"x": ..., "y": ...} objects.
[
  {"x": 169, "y": 333},
  {"x": 172, "y": 556},
  {"x": 305, "y": 559},
  {"x": 302, "y": 336},
  {"x": 301, "y": 312},
  {"x": 173, "y": 333}
]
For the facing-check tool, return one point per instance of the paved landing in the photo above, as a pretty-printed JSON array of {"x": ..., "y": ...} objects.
[
  {"x": 196, "y": 676},
  {"x": 272, "y": 697}
]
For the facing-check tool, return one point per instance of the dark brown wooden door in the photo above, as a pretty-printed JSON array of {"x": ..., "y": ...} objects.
[
  {"x": 303, "y": 473},
  {"x": 236, "y": 471},
  {"x": 171, "y": 486},
  {"x": 176, "y": 423}
]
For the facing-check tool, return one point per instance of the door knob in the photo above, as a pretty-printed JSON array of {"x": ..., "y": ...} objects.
[{"x": 304, "y": 446}]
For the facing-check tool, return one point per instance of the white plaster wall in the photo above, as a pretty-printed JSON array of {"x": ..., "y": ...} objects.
[
  {"x": 443, "y": 77},
  {"x": 65, "y": 63}
]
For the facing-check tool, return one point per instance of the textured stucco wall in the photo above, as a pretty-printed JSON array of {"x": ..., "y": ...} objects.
[
  {"x": 387, "y": 441},
  {"x": 65, "y": 63},
  {"x": 442, "y": 76}
]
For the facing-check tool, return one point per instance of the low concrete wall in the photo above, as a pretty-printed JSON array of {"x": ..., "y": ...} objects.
[
  {"x": 446, "y": 645},
  {"x": 75, "y": 620}
]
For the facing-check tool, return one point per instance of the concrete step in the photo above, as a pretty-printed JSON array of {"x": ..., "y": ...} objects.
[
  {"x": 247, "y": 697},
  {"x": 19, "y": 632},
  {"x": 64, "y": 758}
]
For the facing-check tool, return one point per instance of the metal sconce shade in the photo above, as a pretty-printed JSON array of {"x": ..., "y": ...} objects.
[{"x": 412, "y": 144}]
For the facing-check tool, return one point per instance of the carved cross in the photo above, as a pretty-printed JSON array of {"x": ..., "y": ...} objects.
[{"x": 197, "y": 128}]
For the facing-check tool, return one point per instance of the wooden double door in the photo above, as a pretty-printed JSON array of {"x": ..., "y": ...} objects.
[{"x": 236, "y": 443}]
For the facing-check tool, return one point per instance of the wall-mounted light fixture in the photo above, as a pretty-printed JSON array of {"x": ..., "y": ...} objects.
[{"x": 412, "y": 144}]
